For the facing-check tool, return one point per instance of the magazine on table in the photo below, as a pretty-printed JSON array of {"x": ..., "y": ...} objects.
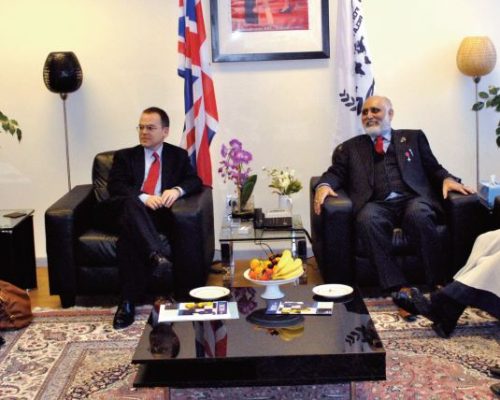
[
  {"x": 198, "y": 311},
  {"x": 300, "y": 307}
]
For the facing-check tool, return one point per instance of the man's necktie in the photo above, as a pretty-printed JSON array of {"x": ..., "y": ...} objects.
[
  {"x": 379, "y": 144},
  {"x": 154, "y": 172}
]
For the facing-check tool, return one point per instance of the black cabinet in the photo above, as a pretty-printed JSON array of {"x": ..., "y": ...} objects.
[{"x": 17, "y": 249}]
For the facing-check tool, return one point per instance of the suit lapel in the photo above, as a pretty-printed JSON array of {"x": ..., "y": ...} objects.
[
  {"x": 399, "y": 141},
  {"x": 167, "y": 166},
  {"x": 365, "y": 153},
  {"x": 138, "y": 165}
]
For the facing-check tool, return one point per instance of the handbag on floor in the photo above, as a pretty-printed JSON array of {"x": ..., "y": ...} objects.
[{"x": 15, "y": 307}]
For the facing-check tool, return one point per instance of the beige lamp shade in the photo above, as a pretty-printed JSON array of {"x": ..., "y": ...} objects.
[{"x": 476, "y": 56}]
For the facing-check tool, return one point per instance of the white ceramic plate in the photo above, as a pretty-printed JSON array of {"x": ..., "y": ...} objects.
[
  {"x": 209, "y": 292},
  {"x": 332, "y": 290}
]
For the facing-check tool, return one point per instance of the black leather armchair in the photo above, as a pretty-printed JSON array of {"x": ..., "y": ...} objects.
[
  {"x": 82, "y": 255},
  {"x": 342, "y": 259}
]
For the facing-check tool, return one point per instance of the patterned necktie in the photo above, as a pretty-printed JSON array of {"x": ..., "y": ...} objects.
[
  {"x": 153, "y": 174},
  {"x": 379, "y": 144}
]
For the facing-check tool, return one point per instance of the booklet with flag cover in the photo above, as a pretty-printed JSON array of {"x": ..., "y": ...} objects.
[
  {"x": 300, "y": 307},
  {"x": 200, "y": 311}
]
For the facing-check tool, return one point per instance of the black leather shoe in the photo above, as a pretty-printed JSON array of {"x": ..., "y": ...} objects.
[
  {"x": 404, "y": 299},
  {"x": 162, "y": 267},
  {"x": 125, "y": 315},
  {"x": 422, "y": 305},
  {"x": 494, "y": 371},
  {"x": 495, "y": 388}
]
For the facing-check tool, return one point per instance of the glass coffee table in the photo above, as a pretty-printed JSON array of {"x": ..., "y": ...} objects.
[
  {"x": 258, "y": 349},
  {"x": 234, "y": 231}
]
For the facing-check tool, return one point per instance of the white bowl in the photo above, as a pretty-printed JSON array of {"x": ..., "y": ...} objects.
[{"x": 272, "y": 286}]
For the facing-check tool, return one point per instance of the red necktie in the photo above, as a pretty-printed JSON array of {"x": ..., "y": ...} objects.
[
  {"x": 154, "y": 172},
  {"x": 379, "y": 144}
]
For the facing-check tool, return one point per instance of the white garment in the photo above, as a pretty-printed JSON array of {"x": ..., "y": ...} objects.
[{"x": 482, "y": 270}]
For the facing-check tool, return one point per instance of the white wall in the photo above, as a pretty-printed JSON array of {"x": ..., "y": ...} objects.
[{"x": 282, "y": 111}]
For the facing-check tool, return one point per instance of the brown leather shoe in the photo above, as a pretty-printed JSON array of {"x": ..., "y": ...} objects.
[
  {"x": 404, "y": 299},
  {"x": 409, "y": 317}
]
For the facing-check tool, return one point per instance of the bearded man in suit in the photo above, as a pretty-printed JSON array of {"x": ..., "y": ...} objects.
[
  {"x": 391, "y": 177},
  {"x": 144, "y": 182}
]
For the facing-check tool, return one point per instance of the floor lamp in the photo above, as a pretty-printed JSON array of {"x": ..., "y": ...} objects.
[
  {"x": 62, "y": 74},
  {"x": 476, "y": 57}
]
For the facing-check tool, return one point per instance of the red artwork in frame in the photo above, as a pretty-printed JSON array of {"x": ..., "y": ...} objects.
[
  {"x": 269, "y": 15},
  {"x": 266, "y": 30}
]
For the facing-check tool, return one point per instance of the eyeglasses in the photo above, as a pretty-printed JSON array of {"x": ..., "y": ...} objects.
[{"x": 147, "y": 128}]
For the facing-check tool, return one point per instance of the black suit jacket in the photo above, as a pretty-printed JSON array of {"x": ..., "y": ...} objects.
[
  {"x": 127, "y": 173},
  {"x": 352, "y": 167}
]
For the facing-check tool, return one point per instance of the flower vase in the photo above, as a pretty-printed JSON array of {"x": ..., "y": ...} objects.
[
  {"x": 285, "y": 202},
  {"x": 243, "y": 211}
]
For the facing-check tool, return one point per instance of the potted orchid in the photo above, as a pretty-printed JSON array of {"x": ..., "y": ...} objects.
[
  {"x": 284, "y": 183},
  {"x": 10, "y": 126},
  {"x": 235, "y": 167}
]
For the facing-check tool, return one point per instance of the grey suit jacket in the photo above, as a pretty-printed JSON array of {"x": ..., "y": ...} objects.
[{"x": 352, "y": 167}]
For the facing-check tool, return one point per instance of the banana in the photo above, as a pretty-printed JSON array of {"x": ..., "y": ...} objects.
[
  {"x": 285, "y": 258},
  {"x": 291, "y": 332},
  {"x": 291, "y": 269},
  {"x": 292, "y": 274}
]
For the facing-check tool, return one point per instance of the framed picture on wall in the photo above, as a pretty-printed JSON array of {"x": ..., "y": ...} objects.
[{"x": 264, "y": 30}]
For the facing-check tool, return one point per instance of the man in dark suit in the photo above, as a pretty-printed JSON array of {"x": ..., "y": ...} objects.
[
  {"x": 145, "y": 181},
  {"x": 393, "y": 179}
]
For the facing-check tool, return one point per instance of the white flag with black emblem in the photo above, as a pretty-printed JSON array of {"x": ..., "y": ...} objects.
[{"x": 354, "y": 77}]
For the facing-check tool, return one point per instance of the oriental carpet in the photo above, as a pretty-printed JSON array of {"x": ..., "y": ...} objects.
[{"x": 76, "y": 354}]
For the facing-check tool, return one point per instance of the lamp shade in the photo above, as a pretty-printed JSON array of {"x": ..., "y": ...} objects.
[
  {"x": 62, "y": 72},
  {"x": 476, "y": 56}
]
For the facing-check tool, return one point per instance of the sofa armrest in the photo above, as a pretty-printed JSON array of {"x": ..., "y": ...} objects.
[
  {"x": 466, "y": 218},
  {"x": 332, "y": 236},
  {"x": 193, "y": 239},
  {"x": 495, "y": 215},
  {"x": 63, "y": 222}
]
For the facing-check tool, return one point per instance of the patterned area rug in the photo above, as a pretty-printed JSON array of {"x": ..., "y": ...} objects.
[{"x": 76, "y": 354}]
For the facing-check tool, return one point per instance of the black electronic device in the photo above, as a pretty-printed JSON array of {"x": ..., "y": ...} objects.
[
  {"x": 274, "y": 219},
  {"x": 258, "y": 218},
  {"x": 15, "y": 215}
]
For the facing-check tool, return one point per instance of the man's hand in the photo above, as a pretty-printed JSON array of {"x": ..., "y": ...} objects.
[
  {"x": 319, "y": 197},
  {"x": 451, "y": 185},
  {"x": 154, "y": 202},
  {"x": 169, "y": 197}
]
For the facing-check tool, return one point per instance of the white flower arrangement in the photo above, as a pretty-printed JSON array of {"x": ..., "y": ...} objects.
[{"x": 283, "y": 181}]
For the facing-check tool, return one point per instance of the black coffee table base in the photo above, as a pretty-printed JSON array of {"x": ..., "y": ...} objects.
[{"x": 263, "y": 371}]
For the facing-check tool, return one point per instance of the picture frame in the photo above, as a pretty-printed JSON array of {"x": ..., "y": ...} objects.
[{"x": 271, "y": 42}]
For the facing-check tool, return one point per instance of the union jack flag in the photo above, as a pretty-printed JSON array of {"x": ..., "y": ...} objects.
[
  {"x": 210, "y": 339},
  {"x": 200, "y": 106}
]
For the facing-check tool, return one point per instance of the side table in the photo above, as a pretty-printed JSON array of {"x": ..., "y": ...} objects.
[
  {"x": 234, "y": 231},
  {"x": 17, "y": 249}
]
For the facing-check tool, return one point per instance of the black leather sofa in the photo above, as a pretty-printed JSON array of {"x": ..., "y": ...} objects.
[
  {"x": 81, "y": 254},
  {"x": 342, "y": 259}
]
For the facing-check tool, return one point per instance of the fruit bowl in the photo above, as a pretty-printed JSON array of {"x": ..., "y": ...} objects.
[{"x": 272, "y": 290}]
